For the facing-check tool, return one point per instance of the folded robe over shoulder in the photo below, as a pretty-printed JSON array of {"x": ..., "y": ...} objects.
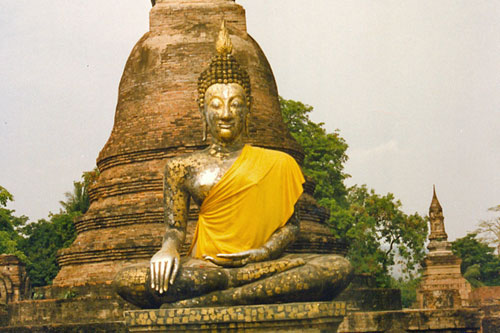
[{"x": 254, "y": 198}]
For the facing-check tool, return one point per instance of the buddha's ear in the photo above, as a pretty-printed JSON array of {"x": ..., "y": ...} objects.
[
  {"x": 247, "y": 124},
  {"x": 205, "y": 126},
  {"x": 247, "y": 120},
  {"x": 250, "y": 103},
  {"x": 205, "y": 130},
  {"x": 203, "y": 120},
  {"x": 249, "y": 110}
]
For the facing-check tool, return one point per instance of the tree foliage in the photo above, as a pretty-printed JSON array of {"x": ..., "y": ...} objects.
[
  {"x": 78, "y": 200},
  {"x": 42, "y": 240},
  {"x": 5, "y": 196},
  {"x": 480, "y": 266},
  {"x": 37, "y": 243},
  {"x": 380, "y": 234},
  {"x": 408, "y": 288},
  {"x": 325, "y": 153},
  {"x": 9, "y": 223}
]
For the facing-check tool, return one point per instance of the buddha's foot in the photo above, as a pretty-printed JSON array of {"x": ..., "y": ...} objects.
[{"x": 261, "y": 270}]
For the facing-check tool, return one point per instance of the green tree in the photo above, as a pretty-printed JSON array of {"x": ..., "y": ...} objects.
[
  {"x": 5, "y": 196},
  {"x": 381, "y": 235},
  {"x": 408, "y": 289},
  {"x": 9, "y": 223},
  {"x": 37, "y": 243},
  {"x": 42, "y": 240},
  {"x": 325, "y": 153},
  {"x": 40, "y": 243},
  {"x": 378, "y": 231},
  {"x": 78, "y": 200},
  {"x": 480, "y": 265}
]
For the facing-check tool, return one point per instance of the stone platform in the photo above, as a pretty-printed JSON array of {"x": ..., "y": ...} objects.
[
  {"x": 466, "y": 320},
  {"x": 289, "y": 317},
  {"x": 363, "y": 296}
]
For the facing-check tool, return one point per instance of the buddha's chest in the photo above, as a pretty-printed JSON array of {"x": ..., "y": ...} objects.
[{"x": 203, "y": 178}]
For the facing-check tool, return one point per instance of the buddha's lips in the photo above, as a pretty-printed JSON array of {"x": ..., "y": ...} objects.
[{"x": 225, "y": 125}]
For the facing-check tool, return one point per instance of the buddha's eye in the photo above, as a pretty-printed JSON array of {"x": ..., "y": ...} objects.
[
  {"x": 215, "y": 104},
  {"x": 236, "y": 103}
]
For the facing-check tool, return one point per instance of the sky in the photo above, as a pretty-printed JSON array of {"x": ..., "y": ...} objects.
[{"x": 412, "y": 86}]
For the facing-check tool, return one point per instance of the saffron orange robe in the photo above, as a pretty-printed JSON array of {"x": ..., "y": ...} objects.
[{"x": 254, "y": 198}]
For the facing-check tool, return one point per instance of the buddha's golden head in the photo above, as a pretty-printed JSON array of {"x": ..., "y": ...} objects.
[{"x": 224, "y": 93}]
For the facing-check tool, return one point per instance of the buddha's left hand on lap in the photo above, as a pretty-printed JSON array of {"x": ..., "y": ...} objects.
[{"x": 241, "y": 258}]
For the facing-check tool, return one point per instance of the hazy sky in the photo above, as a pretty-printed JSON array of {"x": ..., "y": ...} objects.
[{"x": 413, "y": 87}]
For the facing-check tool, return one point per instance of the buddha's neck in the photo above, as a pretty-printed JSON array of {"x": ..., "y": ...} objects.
[{"x": 223, "y": 149}]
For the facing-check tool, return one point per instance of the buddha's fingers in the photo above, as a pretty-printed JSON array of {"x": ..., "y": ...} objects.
[
  {"x": 153, "y": 276},
  {"x": 213, "y": 260},
  {"x": 234, "y": 256},
  {"x": 160, "y": 274},
  {"x": 228, "y": 263},
  {"x": 166, "y": 277},
  {"x": 176, "y": 269}
]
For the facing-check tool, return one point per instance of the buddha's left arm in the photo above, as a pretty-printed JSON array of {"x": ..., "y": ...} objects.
[{"x": 272, "y": 249}]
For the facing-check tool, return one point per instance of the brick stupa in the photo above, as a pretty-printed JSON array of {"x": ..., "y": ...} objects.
[
  {"x": 156, "y": 118},
  {"x": 443, "y": 285}
]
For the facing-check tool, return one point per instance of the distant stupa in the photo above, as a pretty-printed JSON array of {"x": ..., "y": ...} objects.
[{"x": 443, "y": 285}]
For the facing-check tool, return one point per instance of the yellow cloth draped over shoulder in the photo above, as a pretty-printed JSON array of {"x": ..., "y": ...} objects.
[{"x": 254, "y": 198}]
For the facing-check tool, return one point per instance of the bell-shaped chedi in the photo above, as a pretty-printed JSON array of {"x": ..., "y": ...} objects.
[{"x": 156, "y": 118}]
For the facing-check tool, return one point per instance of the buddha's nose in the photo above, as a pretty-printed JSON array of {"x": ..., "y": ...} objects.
[{"x": 226, "y": 113}]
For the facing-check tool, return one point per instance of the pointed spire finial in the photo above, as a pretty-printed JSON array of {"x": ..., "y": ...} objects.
[
  {"x": 436, "y": 219},
  {"x": 223, "y": 44},
  {"x": 435, "y": 205}
]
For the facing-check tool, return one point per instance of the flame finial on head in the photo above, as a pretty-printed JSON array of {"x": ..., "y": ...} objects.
[
  {"x": 223, "y": 69},
  {"x": 223, "y": 44}
]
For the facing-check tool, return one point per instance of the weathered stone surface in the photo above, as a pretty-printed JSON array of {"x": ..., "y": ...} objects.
[
  {"x": 485, "y": 296},
  {"x": 488, "y": 300},
  {"x": 118, "y": 327},
  {"x": 491, "y": 325},
  {"x": 442, "y": 284},
  {"x": 289, "y": 317},
  {"x": 76, "y": 310},
  {"x": 14, "y": 281},
  {"x": 422, "y": 321},
  {"x": 361, "y": 295}
]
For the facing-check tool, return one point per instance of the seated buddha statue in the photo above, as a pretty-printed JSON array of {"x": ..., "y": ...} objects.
[{"x": 248, "y": 215}]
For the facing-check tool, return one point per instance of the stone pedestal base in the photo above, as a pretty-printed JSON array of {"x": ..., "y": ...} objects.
[
  {"x": 414, "y": 321},
  {"x": 290, "y": 317},
  {"x": 443, "y": 285},
  {"x": 362, "y": 295}
]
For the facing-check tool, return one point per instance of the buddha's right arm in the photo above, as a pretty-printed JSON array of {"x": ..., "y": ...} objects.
[{"x": 166, "y": 262}]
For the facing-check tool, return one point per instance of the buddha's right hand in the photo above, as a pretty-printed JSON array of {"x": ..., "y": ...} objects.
[{"x": 164, "y": 267}]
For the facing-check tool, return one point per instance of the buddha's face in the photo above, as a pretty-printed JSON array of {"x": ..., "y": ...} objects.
[{"x": 225, "y": 111}]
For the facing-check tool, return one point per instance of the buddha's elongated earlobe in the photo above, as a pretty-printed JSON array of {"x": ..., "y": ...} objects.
[
  {"x": 246, "y": 125},
  {"x": 205, "y": 129}
]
